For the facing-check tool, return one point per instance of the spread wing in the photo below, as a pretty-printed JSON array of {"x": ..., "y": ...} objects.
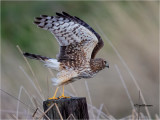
[{"x": 71, "y": 31}]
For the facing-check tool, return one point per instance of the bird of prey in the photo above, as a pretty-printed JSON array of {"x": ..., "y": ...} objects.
[{"x": 79, "y": 44}]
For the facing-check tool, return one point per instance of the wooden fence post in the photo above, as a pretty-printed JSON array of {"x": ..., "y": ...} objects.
[{"x": 69, "y": 108}]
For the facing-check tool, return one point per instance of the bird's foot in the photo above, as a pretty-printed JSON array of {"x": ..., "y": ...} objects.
[
  {"x": 53, "y": 98},
  {"x": 63, "y": 97}
]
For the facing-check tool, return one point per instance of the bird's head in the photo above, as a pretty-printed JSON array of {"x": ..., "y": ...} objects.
[
  {"x": 105, "y": 64},
  {"x": 99, "y": 64}
]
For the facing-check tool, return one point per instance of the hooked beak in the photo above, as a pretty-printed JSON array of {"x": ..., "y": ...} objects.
[{"x": 107, "y": 65}]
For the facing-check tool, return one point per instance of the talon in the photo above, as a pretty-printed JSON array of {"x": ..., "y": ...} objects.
[
  {"x": 53, "y": 98},
  {"x": 63, "y": 97}
]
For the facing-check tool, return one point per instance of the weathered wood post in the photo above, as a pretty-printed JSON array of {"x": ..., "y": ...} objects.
[{"x": 73, "y": 108}]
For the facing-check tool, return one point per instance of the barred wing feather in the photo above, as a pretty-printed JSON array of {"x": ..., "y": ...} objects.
[{"x": 69, "y": 30}]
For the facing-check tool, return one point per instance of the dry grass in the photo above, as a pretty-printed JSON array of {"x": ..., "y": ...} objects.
[
  {"x": 130, "y": 32},
  {"x": 94, "y": 113}
]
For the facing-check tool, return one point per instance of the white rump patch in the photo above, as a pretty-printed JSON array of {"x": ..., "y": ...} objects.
[{"x": 52, "y": 63}]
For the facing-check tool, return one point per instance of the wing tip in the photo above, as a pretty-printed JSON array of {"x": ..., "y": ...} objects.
[
  {"x": 36, "y": 22},
  {"x": 59, "y": 14},
  {"x": 38, "y": 18},
  {"x": 26, "y": 53},
  {"x": 67, "y": 15},
  {"x": 29, "y": 55},
  {"x": 44, "y": 16}
]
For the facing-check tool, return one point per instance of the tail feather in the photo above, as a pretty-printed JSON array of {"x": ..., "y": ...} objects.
[{"x": 34, "y": 56}]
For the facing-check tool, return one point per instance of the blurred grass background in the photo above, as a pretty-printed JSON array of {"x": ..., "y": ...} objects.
[{"x": 132, "y": 27}]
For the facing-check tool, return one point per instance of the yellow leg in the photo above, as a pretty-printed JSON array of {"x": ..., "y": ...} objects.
[
  {"x": 54, "y": 97},
  {"x": 63, "y": 91},
  {"x": 63, "y": 94}
]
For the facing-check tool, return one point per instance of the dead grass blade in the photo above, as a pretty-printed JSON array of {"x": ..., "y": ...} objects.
[
  {"x": 58, "y": 111},
  {"x": 52, "y": 74},
  {"x": 126, "y": 66},
  {"x": 157, "y": 117},
  {"x": 35, "y": 102},
  {"x": 47, "y": 87},
  {"x": 99, "y": 112},
  {"x": 106, "y": 110},
  {"x": 89, "y": 98},
  {"x": 13, "y": 116},
  {"x": 35, "y": 113},
  {"x": 124, "y": 85},
  {"x": 46, "y": 111},
  {"x": 50, "y": 71},
  {"x": 71, "y": 116},
  {"x": 30, "y": 68},
  {"x": 44, "y": 114},
  {"x": 73, "y": 89},
  {"x": 19, "y": 98},
  {"x": 32, "y": 83},
  {"x": 54, "y": 104},
  {"x": 134, "y": 116}
]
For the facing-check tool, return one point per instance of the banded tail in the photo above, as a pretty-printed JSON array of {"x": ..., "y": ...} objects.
[
  {"x": 49, "y": 62},
  {"x": 34, "y": 56}
]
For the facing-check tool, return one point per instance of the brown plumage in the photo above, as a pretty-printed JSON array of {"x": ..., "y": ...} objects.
[{"x": 79, "y": 44}]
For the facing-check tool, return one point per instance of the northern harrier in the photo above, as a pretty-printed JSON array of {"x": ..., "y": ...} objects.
[{"x": 79, "y": 44}]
